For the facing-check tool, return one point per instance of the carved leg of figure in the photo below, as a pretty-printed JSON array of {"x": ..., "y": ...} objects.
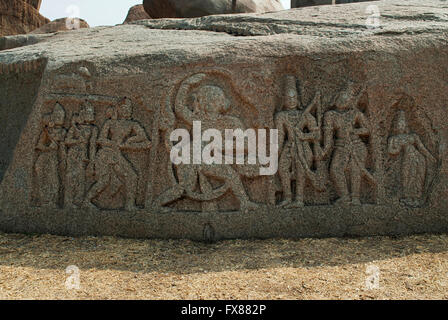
[
  {"x": 357, "y": 163},
  {"x": 99, "y": 186},
  {"x": 300, "y": 187},
  {"x": 69, "y": 192},
  {"x": 285, "y": 177},
  {"x": 75, "y": 184},
  {"x": 170, "y": 195},
  {"x": 337, "y": 173},
  {"x": 206, "y": 187},
  {"x": 233, "y": 180},
  {"x": 187, "y": 176},
  {"x": 413, "y": 179},
  {"x": 47, "y": 180},
  {"x": 355, "y": 181},
  {"x": 129, "y": 178}
]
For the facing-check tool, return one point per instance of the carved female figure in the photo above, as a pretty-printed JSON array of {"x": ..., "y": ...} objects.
[
  {"x": 414, "y": 161},
  {"x": 81, "y": 144},
  {"x": 50, "y": 162}
]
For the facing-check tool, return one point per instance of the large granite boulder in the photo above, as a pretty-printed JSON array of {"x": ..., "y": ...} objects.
[
  {"x": 35, "y": 3},
  {"x": 136, "y": 13},
  {"x": 198, "y": 8},
  {"x": 19, "y": 17},
  {"x": 307, "y": 3},
  {"x": 350, "y": 116},
  {"x": 62, "y": 24}
]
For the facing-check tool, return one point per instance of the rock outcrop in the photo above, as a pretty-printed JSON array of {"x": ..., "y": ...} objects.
[
  {"x": 35, "y": 3},
  {"x": 62, "y": 24},
  {"x": 108, "y": 130},
  {"x": 136, "y": 13},
  {"x": 307, "y": 3},
  {"x": 198, "y": 8},
  {"x": 19, "y": 17}
]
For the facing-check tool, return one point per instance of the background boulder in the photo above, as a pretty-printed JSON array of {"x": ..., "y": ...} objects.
[
  {"x": 19, "y": 17},
  {"x": 35, "y": 3},
  {"x": 62, "y": 25},
  {"x": 136, "y": 13},
  {"x": 307, "y": 3}
]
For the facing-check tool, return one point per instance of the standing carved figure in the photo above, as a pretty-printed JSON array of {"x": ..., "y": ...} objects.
[
  {"x": 414, "y": 161},
  {"x": 50, "y": 163},
  {"x": 119, "y": 134},
  {"x": 344, "y": 129},
  {"x": 81, "y": 144},
  {"x": 210, "y": 107},
  {"x": 298, "y": 131}
]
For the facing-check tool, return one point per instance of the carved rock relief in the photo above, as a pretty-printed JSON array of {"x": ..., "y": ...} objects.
[
  {"x": 412, "y": 155},
  {"x": 326, "y": 145},
  {"x": 93, "y": 153},
  {"x": 86, "y": 165}
]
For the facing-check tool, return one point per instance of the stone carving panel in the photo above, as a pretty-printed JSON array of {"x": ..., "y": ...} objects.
[{"x": 329, "y": 152}]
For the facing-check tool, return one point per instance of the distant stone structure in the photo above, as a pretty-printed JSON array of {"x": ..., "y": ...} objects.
[
  {"x": 62, "y": 24},
  {"x": 136, "y": 13}
]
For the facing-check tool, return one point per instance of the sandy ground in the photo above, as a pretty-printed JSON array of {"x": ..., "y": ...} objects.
[{"x": 34, "y": 267}]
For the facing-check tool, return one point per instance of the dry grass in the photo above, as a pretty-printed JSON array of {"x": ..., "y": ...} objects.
[{"x": 33, "y": 267}]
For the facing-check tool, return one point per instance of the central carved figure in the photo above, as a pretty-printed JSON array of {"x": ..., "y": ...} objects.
[{"x": 210, "y": 106}]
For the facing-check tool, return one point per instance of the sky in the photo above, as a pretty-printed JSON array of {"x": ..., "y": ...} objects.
[{"x": 95, "y": 12}]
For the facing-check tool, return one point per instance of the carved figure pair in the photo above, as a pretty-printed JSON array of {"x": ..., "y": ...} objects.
[{"x": 300, "y": 136}]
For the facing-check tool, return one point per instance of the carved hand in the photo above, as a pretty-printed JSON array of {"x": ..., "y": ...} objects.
[{"x": 431, "y": 158}]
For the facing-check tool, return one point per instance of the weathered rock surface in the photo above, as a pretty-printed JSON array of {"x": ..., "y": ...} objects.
[
  {"x": 360, "y": 107},
  {"x": 307, "y": 3},
  {"x": 35, "y": 3},
  {"x": 62, "y": 24},
  {"x": 198, "y": 8},
  {"x": 136, "y": 13},
  {"x": 19, "y": 17}
]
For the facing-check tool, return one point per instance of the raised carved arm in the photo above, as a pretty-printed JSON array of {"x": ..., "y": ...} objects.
[
  {"x": 42, "y": 144},
  {"x": 394, "y": 147},
  {"x": 308, "y": 121},
  {"x": 181, "y": 108},
  {"x": 138, "y": 141}
]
